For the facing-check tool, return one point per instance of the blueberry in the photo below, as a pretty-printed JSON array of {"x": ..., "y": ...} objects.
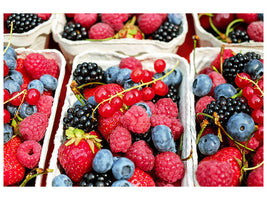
[
  {"x": 11, "y": 86},
  {"x": 167, "y": 80},
  {"x": 103, "y": 161},
  {"x": 146, "y": 107},
  {"x": 8, "y": 132},
  {"x": 37, "y": 84},
  {"x": 62, "y": 180},
  {"x": 121, "y": 183},
  {"x": 202, "y": 85},
  {"x": 49, "y": 82},
  {"x": 209, "y": 144},
  {"x": 240, "y": 126},
  {"x": 260, "y": 16},
  {"x": 227, "y": 90},
  {"x": 162, "y": 138},
  {"x": 176, "y": 76},
  {"x": 27, "y": 110},
  {"x": 91, "y": 100},
  {"x": 123, "y": 75},
  {"x": 11, "y": 62},
  {"x": 175, "y": 18},
  {"x": 129, "y": 84},
  {"x": 254, "y": 68},
  {"x": 110, "y": 74},
  {"x": 12, "y": 109},
  {"x": 123, "y": 168},
  {"x": 15, "y": 76},
  {"x": 78, "y": 102},
  {"x": 10, "y": 52}
]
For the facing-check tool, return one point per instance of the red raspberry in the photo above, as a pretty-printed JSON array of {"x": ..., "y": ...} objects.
[
  {"x": 54, "y": 68},
  {"x": 130, "y": 63},
  {"x": 136, "y": 120},
  {"x": 85, "y": 19},
  {"x": 149, "y": 22},
  {"x": 248, "y": 17},
  {"x": 107, "y": 124},
  {"x": 29, "y": 153},
  {"x": 259, "y": 134},
  {"x": 227, "y": 53},
  {"x": 26, "y": 77},
  {"x": 44, "y": 16},
  {"x": 151, "y": 106},
  {"x": 259, "y": 156},
  {"x": 169, "y": 167},
  {"x": 255, "y": 31},
  {"x": 167, "y": 107},
  {"x": 202, "y": 104},
  {"x": 156, "y": 120},
  {"x": 216, "y": 79},
  {"x": 253, "y": 143},
  {"x": 176, "y": 128},
  {"x": 45, "y": 104},
  {"x": 120, "y": 140},
  {"x": 88, "y": 92},
  {"x": 115, "y": 20},
  {"x": 214, "y": 173},
  {"x": 100, "y": 31},
  {"x": 255, "y": 178},
  {"x": 34, "y": 126},
  {"x": 142, "y": 155},
  {"x": 162, "y": 183}
]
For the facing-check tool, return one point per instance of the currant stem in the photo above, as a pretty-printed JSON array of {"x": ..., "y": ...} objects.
[
  {"x": 255, "y": 167},
  {"x": 9, "y": 42},
  {"x": 30, "y": 176}
]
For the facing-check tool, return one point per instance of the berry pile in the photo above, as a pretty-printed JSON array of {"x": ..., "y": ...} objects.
[
  {"x": 29, "y": 86},
  {"x": 229, "y": 115},
  {"x": 24, "y": 22},
  {"x": 234, "y": 28},
  {"x": 93, "y": 26},
  {"x": 134, "y": 142}
]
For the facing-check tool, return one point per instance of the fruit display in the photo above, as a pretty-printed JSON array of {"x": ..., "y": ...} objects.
[
  {"x": 29, "y": 30},
  {"x": 157, "y": 32},
  {"x": 126, "y": 119},
  {"x": 31, "y": 87},
  {"x": 229, "y": 94},
  {"x": 215, "y": 29}
]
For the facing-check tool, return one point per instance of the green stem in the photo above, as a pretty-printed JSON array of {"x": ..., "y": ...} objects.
[
  {"x": 31, "y": 176},
  {"x": 9, "y": 42},
  {"x": 255, "y": 167},
  {"x": 214, "y": 28},
  {"x": 230, "y": 26},
  {"x": 91, "y": 83}
]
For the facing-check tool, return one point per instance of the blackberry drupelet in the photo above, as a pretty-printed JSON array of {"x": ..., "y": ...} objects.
[
  {"x": 23, "y": 22},
  {"x": 88, "y": 72},
  {"x": 173, "y": 94},
  {"x": 80, "y": 117},
  {"x": 235, "y": 64},
  {"x": 166, "y": 32},
  {"x": 94, "y": 179},
  {"x": 238, "y": 36},
  {"x": 74, "y": 31},
  {"x": 225, "y": 108}
]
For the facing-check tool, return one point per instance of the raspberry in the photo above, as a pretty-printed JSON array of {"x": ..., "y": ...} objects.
[
  {"x": 34, "y": 127},
  {"x": 176, "y": 128},
  {"x": 202, "y": 104},
  {"x": 156, "y": 120},
  {"x": 85, "y": 19},
  {"x": 255, "y": 31},
  {"x": 29, "y": 153},
  {"x": 45, "y": 104},
  {"x": 214, "y": 173},
  {"x": 253, "y": 143},
  {"x": 258, "y": 157},
  {"x": 227, "y": 53},
  {"x": 136, "y": 120},
  {"x": 167, "y": 107},
  {"x": 142, "y": 155},
  {"x": 88, "y": 92},
  {"x": 149, "y": 22},
  {"x": 44, "y": 16},
  {"x": 115, "y": 20},
  {"x": 255, "y": 178},
  {"x": 107, "y": 124},
  {"x": 169, "y": 167},
  {"x": 151, "y": 106},
  {"x": 162, "y": 183},
  {"x": 54, "y": 68},
  {"x": 130, "y": 63},
  {"x": 216, "y": 79},
  {"x": 120, "y": 140},
  {"x": 100, "y": 31}
]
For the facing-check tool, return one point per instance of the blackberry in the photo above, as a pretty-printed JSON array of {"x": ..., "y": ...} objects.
[
  {"x": 235, "y": 64},
  {"x": 226, "y": 107},
  {"x": 238, "y": 36},
  {"x": 80, "y": 117},
  {"x": 94, "y": 179},
  {"x": 88, "y": 72},
  {"x": 74, "y": 31},
  {"x": 166, "y": 32},
  {"x": 173, "y": 94},
  {"x": 23, "y": 22}
]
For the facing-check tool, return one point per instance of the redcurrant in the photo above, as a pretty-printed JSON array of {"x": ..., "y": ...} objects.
[
  {"x": 32, "y": 97},
  {"x": 242, "y": 80},
  {"x": 259, "y": 133},
  {"x": 6, "y": 116},
  {"x": 18, "y": 100},
  {"x": 6, "y": 69},
  {"x": 137, "y": 94},
  {"x": 116, "y": 103},
  {"x": 257, "y": 116},
  {"x": 159, "y": 65},
  {"x": 160, "y": 88},
  {"x": 101, "y": 94},
  {"x": 137, "y": 75},
  {"x": 129, "y": 98},
  {"x": 260, "y": 85},
  {"x": 255, "y": 101},
  {"x": 6, "y": 95},
  {"x": 147, "y": 76},
  {"x": 147, "y": 93},
  {"x": 248, "y": 91},
  {"x": 106, "y": 110}
]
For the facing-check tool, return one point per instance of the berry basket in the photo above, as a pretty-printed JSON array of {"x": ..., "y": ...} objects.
[
  {"x": 106, "y": 60},
  {"x": 201, "y": 58},
  {"x": 37, "y": 38},
  {"x": 59, "y": 58},
  {"x": 206, "y": 39},
  {"x": 127, "y": 46}
]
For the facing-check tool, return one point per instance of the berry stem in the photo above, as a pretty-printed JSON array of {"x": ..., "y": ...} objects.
[
  {"x": 195, "y": 38},
  {"x": 91, "y": 83},
  {"x": 252, "y": 168},
  {"x": 221, "y": 35},
  {"x": 32, "y": 175},
  {"x": 135, "y": 87},
  {"x": 229, "y": 27},
  {"x": 9, "y": 42},
  {"x": 221, "y": 58}
]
